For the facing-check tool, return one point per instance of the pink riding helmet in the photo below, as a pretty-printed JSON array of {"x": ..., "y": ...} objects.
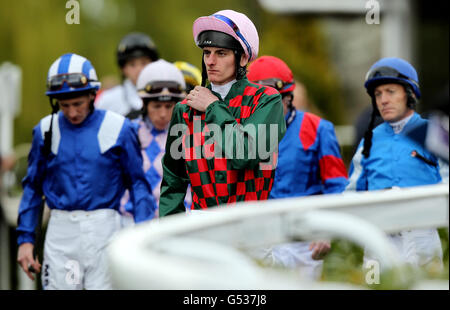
[{"x": 233, "y": 23}]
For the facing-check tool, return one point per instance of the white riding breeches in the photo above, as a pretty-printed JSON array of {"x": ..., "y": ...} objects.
[
  {"x": 74, "y": 249},
  {"x": 417, "y": 247},
  {"x": 297, "y": 255}
]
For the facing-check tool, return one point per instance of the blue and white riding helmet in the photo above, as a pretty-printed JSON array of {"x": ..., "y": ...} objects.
[{"x": 71, "y": 73}]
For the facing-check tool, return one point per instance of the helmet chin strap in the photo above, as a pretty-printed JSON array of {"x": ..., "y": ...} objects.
[
  {"x": 240, "y": 71},
  {"x": 411, "y": 98},
  {"x": 48, "y": 133},
  {"x": 54, "y": 105},
  {"x": 368, "y": 134},
  {"x": 91, "y": 104},
  {"x": 204, "y": 73},
  {"x": 290, "y": 116}
]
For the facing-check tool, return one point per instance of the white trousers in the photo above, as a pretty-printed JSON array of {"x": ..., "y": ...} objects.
[
  {"x": 294, "y": 255},
  {"x": 126, "y": 221},
  {"x": 297, "y": 255},
  {"x": 417, "y": 247},
  {"x": 74, "y": 249}
]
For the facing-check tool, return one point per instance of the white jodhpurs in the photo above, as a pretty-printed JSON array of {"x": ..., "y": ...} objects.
[
  {"x": 417, "y": 247},
  {"x": 297, "y": 255},
  {"x": 74, "y": 249}
]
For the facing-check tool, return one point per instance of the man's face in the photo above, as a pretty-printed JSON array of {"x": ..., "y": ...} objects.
[
  {"x": 76, "y": 109},
  {"x": 134, "y": 66},
  {"x": 220, "y": 64},
  {"x": 391, "y": 102},
  {"x": 160, "y": 113}
]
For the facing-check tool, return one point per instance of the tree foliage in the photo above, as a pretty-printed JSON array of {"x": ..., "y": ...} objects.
[{"x": 35, "y": 33}]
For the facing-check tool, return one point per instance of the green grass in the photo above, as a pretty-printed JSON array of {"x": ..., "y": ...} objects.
[{"x": 344, "y": 264}]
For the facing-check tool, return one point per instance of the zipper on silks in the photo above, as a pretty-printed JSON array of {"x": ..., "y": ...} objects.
[{"x": 422, "y": 158}]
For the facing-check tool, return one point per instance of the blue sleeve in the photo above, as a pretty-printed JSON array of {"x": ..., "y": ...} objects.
[
  {"x": 144, "y": 204},
  {"x": 357, "y": 175},
  {"x": 332, "y": 168},
  {"x": 32, "y": 191},
  {"x": 135, "y": 124}
]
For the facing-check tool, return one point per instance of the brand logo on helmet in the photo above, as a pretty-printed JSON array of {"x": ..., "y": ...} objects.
[
  {"x": 164, "y": 98},
  {"x": 207, "y": 42}
]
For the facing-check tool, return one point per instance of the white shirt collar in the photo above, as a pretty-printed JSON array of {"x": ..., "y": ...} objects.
[
  {"x": 223, "y": 90},
  {"x": 398, "y": 126}
]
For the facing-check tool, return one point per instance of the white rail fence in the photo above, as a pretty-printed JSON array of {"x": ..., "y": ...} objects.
[{"x": 207, "y": 252}]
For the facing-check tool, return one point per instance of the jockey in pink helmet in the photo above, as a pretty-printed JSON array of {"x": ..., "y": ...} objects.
[
  {"x": 231, "y": 30},
  {"x": 231, "y": 104}
]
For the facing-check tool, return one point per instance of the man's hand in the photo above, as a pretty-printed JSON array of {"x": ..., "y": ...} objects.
[
  {"x": 200, "y": 98},
  {"x": 319, "y": 248},
  {"x": 25, "y": 259}
]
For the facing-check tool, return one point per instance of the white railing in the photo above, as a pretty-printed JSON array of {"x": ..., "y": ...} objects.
[{"x": 207, "y": 252}]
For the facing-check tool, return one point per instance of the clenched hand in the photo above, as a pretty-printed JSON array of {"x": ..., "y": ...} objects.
[
  {"x": 25, "y": 259},
  {"x": 319, "y": 248},
  {"x": 200, "y": 98}
]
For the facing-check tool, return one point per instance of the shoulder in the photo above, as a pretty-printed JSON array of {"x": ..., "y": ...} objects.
[
  {"x": 137, "y": 121},
  {"x": 418, "y": 119},
  {"x": 325, "y": 125},
  {"x": 312, "y": 117},
  {"x": 311, "y": 120},
  {"x": 251, "y": 89},
  {"x": 381, "y": 129},
  {"x": 44, "y": 124},
  {"x": 180, "y": 107},
  {"x": 112, "y": 122},
  {"x": 112, "y": 91},
  {"x": 112, "y": 94},
  {"x": 112, "y": 127}
]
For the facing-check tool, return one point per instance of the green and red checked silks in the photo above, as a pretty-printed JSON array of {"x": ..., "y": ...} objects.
[{"x": 249, "y": 119}]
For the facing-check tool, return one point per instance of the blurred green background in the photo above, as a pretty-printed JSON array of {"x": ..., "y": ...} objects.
[{"x": 34, "y": 33}]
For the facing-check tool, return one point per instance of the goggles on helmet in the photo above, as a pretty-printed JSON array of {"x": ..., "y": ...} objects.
[
  {"x": 275, "y": 83},
  {"x": 388, "y": 72},
  {"x": 158, "y": 87},
  {"x": 74, "y": 80}
]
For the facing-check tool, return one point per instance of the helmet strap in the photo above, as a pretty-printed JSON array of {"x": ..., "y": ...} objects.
[
  {"x": 49, "y": 132},
  {"x": 204, "y": 73},
  {"x": 240, "y": 71},
  {"x": 54, "y": 105},
  {"x": 290, "y": 117},
  {"x": 91, "y": 104},
  {"x": 369, "y": 132},
  {"x": 144, "y": 109},
  {"x": 411, "y": 99},
  {"x": 290, "y": 105},
  {"x": 291, "y": 109}
]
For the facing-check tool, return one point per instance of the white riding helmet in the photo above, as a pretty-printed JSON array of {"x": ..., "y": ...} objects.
[{"x": 161, "y": 81}]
